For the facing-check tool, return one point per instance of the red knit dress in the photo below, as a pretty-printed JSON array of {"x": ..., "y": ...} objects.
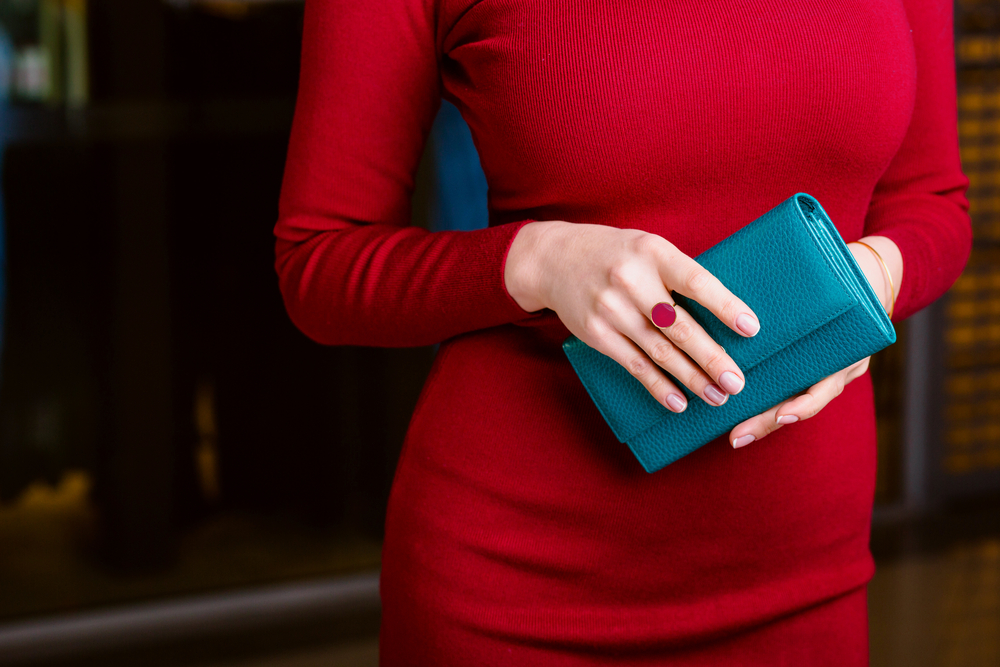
[{"x": 519, "y": 531}]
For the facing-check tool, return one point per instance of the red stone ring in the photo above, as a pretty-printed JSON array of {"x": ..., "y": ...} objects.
[{"x": 663, "y": 315}]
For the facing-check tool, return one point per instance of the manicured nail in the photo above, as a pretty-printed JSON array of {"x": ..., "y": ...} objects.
[
  {"x": 731, "y": 382},
  {"x": 663, "y": 315},
  {"x": 787, "y": 419},
  {"x": 676, "y": 403},
  {"x": 713, "y": 395},
  {"x": 747, "y": 324},
  {"x": 743, "y": 441}
]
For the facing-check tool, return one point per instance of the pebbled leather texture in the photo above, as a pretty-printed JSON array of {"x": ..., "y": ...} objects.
[{"x": 818, "y": 315}]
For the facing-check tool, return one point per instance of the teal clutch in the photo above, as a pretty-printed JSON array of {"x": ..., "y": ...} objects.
[{"x": 817, "y": 313}]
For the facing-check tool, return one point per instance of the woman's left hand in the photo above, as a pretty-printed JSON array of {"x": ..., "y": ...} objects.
[
  {"x": 814, "y": 399},
  {"x": 803, "y": 406}
]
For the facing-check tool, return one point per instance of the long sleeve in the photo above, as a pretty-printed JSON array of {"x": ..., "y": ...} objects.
[
  {"x": 352, "y": 270},
  {"x": 920, "y": 200}
]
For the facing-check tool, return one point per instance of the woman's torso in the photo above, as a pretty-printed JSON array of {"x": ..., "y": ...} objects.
[{"x": 515, "y": 512}]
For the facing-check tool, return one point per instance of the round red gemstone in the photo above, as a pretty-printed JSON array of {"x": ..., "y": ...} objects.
[{"x": 664, "y": 315}]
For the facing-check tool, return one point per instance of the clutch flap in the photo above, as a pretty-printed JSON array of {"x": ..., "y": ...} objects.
[{"x": 780, "y": 267}]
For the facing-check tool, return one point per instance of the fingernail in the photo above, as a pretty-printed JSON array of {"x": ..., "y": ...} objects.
[
  {"x": 743, "y": 441},
  {"x": 676, "y": 403},
  {"x": 731, "y": 382},
  {"x": 715, "y": 396},
  {"x": 747, "y": 324},
  {"x": 787, "y": 419}
]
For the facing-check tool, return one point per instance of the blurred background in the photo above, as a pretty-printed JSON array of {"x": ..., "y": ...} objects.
[{"x": 186, "y": 479}]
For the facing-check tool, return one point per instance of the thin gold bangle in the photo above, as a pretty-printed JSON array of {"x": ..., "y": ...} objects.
[{"x": 892, "y": 288}]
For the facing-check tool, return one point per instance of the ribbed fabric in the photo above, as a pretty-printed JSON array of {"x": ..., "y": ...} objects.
[{"x": 519, "y": 530}]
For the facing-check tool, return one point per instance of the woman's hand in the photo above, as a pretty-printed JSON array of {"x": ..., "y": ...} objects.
[
  {"x": 603, "y": 282},
  {"x": 816, "y": 398}
]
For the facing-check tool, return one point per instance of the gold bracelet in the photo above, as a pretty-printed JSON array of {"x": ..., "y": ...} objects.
[{"x": 892, "y": 289}]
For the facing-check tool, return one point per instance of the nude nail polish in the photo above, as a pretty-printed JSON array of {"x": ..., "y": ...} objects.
[
  {"x": 714, "y": 395},
  {"x": 676, "y": 403},
  {"x": 747, "y": 324},
  {"x": 731, "y": 382},
  {"x": 743, "y": 441}
]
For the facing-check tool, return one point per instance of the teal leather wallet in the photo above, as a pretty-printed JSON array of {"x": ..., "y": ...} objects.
[{"x": 817, "y": 313}]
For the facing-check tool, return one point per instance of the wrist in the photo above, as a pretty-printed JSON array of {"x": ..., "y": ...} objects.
[
  {"x": 882, "y": 264},
  {"x": 523, "y": 272}
]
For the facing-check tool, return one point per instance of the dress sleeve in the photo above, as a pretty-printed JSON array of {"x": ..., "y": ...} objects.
[
  {"x": 920, "y": 200},
  {"x": 352, "y": 270}
]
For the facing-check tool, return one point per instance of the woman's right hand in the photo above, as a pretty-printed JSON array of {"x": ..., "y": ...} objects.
[{"x": 603, "y": 282}]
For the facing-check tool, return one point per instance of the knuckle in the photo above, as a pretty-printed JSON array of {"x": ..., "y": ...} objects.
[
  {"x": 812, "y": 410},
  {"x": 606, "y": 303},
  {"x": 698, "y": 279},
  {"x": 681, "y": 332},
  {"x": 657, "y": 387},
  {"x": 623, "y": 276},
  {"x": 594, "y": 327},
  {"x": 646, "y": 244},
  {"x": 638, "y": 365},
  {"x": 695, "y": 380},
  {"x": 662, "y": 352},
  {"x": 715, "y": 362},
  {"x": 729, "y": 310}
]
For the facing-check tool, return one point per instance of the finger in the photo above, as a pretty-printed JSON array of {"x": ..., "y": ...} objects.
[
  {"x": 672, "y": 359},
  {"x": 688, "y": 335},
  {"x": 682, "y": 274},
  {"x": 858, "y": 369},
  {"x": 711, "y": 364},
  {"x": 814, "y": 399},
  {"x": 818, "y": 396},
  {"x": 803, "y": 406},
  {"x": 634, "y": 360},
  {"x": 755, "y": 428}
]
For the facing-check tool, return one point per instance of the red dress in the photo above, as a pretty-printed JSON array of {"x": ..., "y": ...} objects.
[{"x": 519, "y": 531}]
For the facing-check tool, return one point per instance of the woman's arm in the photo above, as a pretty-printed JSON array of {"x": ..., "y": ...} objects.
[
  {"x": 352, "y": 270},
  {"x": 918, "y": 217},
  {"x": 919, "y": 203}
]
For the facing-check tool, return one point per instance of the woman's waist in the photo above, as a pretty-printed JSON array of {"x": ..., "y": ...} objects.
[
  {"x": 508, "y": 459},
  {"x": 524, "y": 503},
  {"x": 508, "y": 386}
]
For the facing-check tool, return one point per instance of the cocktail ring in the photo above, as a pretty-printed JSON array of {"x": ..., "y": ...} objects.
[{"x": 663, "y": 315}]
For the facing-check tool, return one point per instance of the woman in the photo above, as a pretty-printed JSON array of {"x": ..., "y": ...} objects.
[{"x": 619, "y": 140}]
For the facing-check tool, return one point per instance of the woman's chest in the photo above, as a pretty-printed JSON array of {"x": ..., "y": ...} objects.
[{"x": 580, "y": 104}]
